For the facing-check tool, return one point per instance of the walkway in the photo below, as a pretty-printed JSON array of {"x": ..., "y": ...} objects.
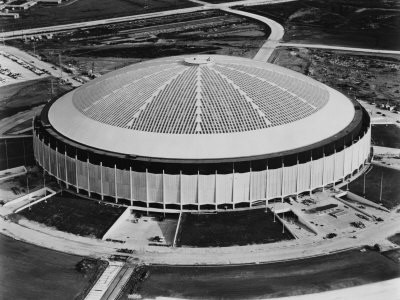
[{"x": 101, "y": 286}]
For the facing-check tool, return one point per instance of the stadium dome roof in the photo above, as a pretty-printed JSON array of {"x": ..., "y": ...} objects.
[{"x": 201, "y": 107}]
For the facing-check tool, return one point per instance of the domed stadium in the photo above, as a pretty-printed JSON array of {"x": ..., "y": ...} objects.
[{"x": 201, "y": 133}]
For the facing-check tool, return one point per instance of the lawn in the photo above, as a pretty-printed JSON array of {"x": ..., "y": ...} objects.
[
  {"x": 22, "y": 96},
  {"x": 273, "y": 280},
  {"x": 75, "y": 215},
  {"x": 19, "y": 152},
  {"x": 224, "y": 229},
  {"x": 386, "y": 136},
  {"x": 390, "y": 186}
]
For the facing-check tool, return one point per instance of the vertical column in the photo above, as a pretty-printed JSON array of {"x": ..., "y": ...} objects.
[
  {"x": 48, "y": 155},
  {"x": 311, "y": 168},
  {"x": 323, "y": 170},
  {"x": 76, "y": 173},
  {"x": 297, "y": 176},
  {"x": 147, "y": 191},
  {"x": 266, "y": 185},
  {"x": 163, "y": 189},
  {"x": 282, "y": 181},
  {"x": 43, "y": 146},
  {"x": 115, "y": 183},
  {"x": 233, "y": 187},
  {"x": 198, "y": 189},
  {"x": 180, "y": 188},
  {"x": 101, "y": 181},
  {"x": 215, "y": 191},
  {"x": 57, "y": 174},
  {"x": 352, "y": 158},
  {"x": 334, "y": 165},
  {"x": 88, "y": 174},
  {"x": 344, "y": 162},
  {"x": 250, "y": 188},
  {"x": 65, "y": 167},
  {"x": 130, "y": 185}
]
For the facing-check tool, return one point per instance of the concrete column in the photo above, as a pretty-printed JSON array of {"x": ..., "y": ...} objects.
[
  {"x": 266, "y": 184},
  {"x": 311, "y": 169},
  {"x": 130, "y": 185},
  {"x": 323, "y": 170},
  {"x": 334, "y": 165},
  {"x": 233, "y": 188},
  {"x": 66, "y": 169},
  {"x": 282, "y": 180},
  {"x": 147, "y": 191},
  {"x": 43, "y": 146},
  {"x": 115, "y": 183},
  {"x": 198, "y": 189},
  {"x": 57, "y": 174},
  {"x": 297, "y": 176},
  {"x": 101, "y": 181},
  {"x": 215, "y": 191},
  {"x": 180, "y": 188},
  {"x": 250, "y": 189},
  {"x": 88, "y": 175},
  {"x": 76, "y": 173},
  {"x": 49, "y": 157},
  {"x": 344, "y": 162},
  {"x": 163, "y": 189}
]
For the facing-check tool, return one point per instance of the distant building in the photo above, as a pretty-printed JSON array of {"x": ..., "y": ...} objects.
[
  {"x": 201, "y": 133},
  {"x": 20, "y": 5}
]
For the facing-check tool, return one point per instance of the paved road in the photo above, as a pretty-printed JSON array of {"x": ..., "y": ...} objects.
[
  {"x": 333, "y": 47},
  {"x": 276, "y": 35}
]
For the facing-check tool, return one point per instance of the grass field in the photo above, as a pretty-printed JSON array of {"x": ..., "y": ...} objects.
[
  {"x": 87, "y": 10},
  {"x": 75, "y": 215},
  {"x": 25, "y": 95},
  {"x": 19, "y": 152},
  {"x": 304, "y": 276},
  {"x": 230, "y": 228},
  {"x": 386, "y": 136},
  {"x": 390, "y": 186},
  {"x": 31, "y": 272},
  {"x": 356, "y": 23}
]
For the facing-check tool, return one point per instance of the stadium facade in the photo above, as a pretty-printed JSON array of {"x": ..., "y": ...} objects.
[{"x": 201, "y": 133}]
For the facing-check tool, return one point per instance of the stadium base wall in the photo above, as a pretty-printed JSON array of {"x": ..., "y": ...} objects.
[{"x": 197, "y": 190}]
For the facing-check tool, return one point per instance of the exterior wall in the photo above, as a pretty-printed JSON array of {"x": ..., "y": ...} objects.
[{"x": 198, "y": 189}]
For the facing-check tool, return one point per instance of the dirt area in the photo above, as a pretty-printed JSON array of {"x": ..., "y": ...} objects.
[
  {"x": 230, "y": 228},
  {"x": 355, "y": 23},
  {"x": 73, "y": 11},
  {"x": 75, "y": 215},
  {"x": 371, "y": 78},
  {"x": 102, "y": 49}
]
